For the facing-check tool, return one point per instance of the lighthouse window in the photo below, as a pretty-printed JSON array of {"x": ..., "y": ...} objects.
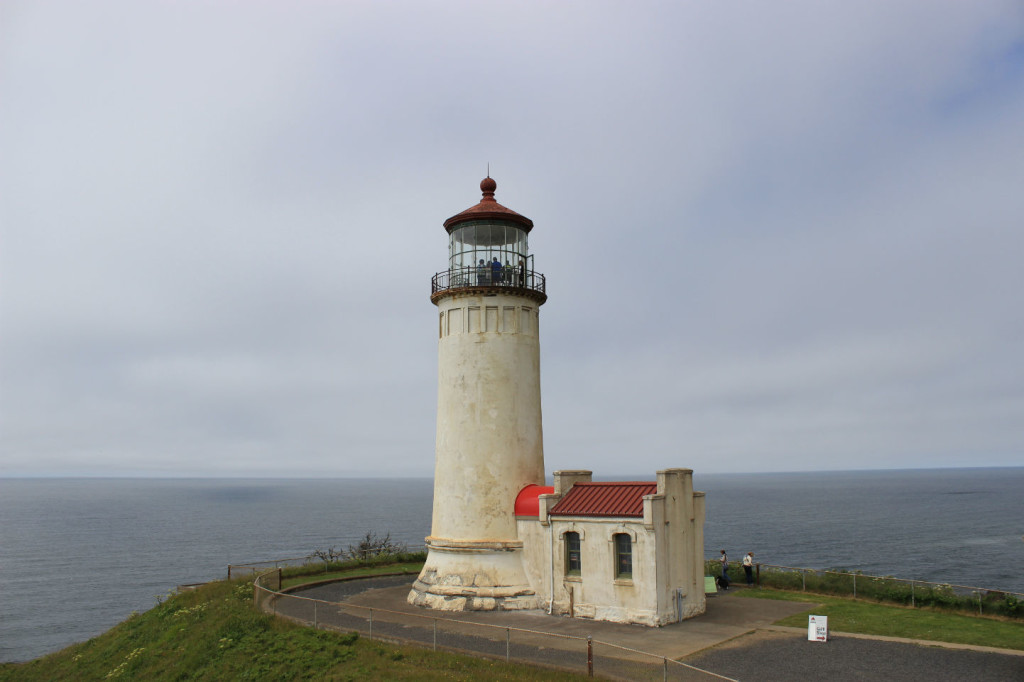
[
  {"x": 572, "y": 553},
  {"x": 623, "y": 556},
  {"x": 485, "y": 241}
]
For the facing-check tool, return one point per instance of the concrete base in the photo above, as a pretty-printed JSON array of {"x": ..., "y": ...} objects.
[
  {"x": 619, "y": 614},
  {"x": 473, "y": 576}
]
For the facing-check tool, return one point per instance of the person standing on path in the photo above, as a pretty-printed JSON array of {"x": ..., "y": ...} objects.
[
  {"x": 725, "y": 570},
  {"x": 748, "y": 567}
]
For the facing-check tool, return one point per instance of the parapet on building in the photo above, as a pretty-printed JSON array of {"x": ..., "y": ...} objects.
[{"x": 627, "y": 552}]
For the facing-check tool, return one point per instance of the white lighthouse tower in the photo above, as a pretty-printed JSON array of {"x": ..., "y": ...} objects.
[{"x": 489, "y": 437}]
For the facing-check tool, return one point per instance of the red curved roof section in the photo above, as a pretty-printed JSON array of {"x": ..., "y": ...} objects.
[{"x": 527, "y": 502}]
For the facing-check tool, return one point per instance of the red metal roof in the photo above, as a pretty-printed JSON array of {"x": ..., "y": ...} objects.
[
  {"x": 527, "y": 503},
  {"x": 605, "y": 499},
  {"x": 488, "y": 208}
]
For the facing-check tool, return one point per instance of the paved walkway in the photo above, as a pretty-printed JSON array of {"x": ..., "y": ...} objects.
[
  {"x": 735, "y": 638},
  {"x": 726, "y": 618}
]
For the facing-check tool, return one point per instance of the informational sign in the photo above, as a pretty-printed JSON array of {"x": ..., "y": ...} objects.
[{"x": 817, "y": 629}]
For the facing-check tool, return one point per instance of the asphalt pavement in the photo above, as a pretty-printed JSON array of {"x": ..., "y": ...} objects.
[{"x": 735, "y": 638}]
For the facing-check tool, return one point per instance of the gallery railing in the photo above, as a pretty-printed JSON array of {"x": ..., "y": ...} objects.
[{"x": 486, "y": 276}]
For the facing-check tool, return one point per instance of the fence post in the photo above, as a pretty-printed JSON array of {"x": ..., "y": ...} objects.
[
  {"x": 803, "y": 580},
  {"x": 979, "y": 603},
  {"x": 590, "y": 656},
  {"x": 854, "y": 585},
  {"x": 508, "y": 644},
  {"x": 371, "y": 623},
  {"x": 664, "y": 663},
  {"x": 912, "y": 600},
  {"x": 435, "y": 634}
]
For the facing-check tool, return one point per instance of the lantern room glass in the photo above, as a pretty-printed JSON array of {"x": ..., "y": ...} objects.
[{"x": 477, "y": 243}]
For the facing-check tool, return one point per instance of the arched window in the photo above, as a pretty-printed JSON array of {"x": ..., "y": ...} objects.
[
  {"x": 623, "y": 556},
  {"x": 572, "y": 554}
]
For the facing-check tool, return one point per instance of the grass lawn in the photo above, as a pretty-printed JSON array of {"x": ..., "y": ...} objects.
[
  {"x": 871, "y": 618},
  {"x": 215, "y": 633}
]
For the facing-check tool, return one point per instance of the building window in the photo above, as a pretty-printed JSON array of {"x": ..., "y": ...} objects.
[
  {"x": 572, "y": 553},
  {"x": 623, "y": 556}
]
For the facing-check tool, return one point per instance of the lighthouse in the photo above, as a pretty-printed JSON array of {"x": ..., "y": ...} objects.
[
  {"x": 489, "y": 444},
  {"x": 625, "y": 551}
]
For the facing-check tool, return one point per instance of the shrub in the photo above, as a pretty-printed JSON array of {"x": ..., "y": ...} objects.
[{"x": 373, "y": 545}]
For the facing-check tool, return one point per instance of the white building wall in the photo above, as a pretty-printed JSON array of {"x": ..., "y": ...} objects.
[
  {"x": 597, "y": 593},
  {"x": 667, "y": 584},
  {"x": 679, "y": 526},
  {"x": 536, "y": 557}
]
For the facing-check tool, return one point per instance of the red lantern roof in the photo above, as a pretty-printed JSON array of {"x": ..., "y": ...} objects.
[
  {"x": 605, "y": 499},
  {"x": 488, "y": 208}
]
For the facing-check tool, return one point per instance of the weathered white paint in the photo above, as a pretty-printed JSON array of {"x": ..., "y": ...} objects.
[
  {"x": 667, "y": 584},
  {"x": 489, "y": 447}
]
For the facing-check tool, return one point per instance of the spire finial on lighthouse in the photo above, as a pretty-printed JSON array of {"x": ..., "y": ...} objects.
[{"x": 487, "y": 186}]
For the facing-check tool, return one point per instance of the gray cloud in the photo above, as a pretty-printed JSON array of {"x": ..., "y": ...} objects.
[{"x": 776, "y": 237}]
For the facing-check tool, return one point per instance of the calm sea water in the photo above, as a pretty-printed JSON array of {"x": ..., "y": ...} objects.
[{"x": 78, "y": 556}]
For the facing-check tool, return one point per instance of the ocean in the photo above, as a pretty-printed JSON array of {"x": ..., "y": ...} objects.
[{"x": 77, "y": 556}]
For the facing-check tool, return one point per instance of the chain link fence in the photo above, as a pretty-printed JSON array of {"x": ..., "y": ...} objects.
[
  {"x": 314, "y": 562},
  {"x": 254, "y": 567},
  {"x": 551, "y": 650},
  {"x": 913, "y": 593}
]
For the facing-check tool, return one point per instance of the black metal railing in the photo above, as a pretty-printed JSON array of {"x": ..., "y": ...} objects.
[{"x": 485, "y": 276}]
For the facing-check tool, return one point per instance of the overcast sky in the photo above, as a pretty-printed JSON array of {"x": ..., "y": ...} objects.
[{"x": 778, "y": 236}]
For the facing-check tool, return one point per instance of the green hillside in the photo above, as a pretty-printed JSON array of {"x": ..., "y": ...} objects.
[{"x": 215, "y": 633}]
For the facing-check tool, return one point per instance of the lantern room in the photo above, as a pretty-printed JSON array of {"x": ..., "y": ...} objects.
[{"x": 488, "y": 246}]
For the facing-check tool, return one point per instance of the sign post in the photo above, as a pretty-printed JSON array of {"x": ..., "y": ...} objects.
[{"x": 817, "y": 629}]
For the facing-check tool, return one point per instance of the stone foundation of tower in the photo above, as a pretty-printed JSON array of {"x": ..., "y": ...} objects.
[{"x": 473, "y": 576}]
